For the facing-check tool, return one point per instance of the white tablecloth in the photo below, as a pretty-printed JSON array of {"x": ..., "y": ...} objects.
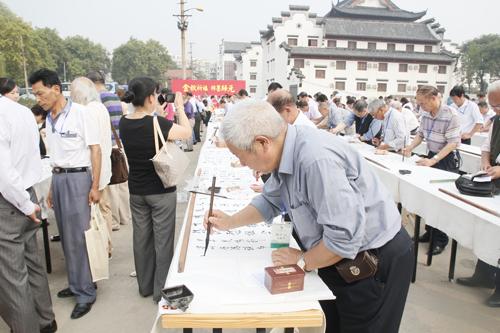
[
  {"x": 478, "y": 139},
  {"x": 471, "y": 227}
]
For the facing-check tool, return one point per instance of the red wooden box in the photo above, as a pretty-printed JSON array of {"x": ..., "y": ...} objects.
[{"x": 284, "y": 279}]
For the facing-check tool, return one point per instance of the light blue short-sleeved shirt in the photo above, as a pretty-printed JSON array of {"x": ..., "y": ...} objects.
[{"x": 330, "y": 193}]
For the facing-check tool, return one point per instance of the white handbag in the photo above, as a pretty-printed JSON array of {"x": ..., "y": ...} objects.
[
  {"x": 170, "y": 161},
  {"x": 97, "y": 240}
]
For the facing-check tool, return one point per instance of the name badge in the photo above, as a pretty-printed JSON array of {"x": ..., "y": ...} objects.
[{"x": 68, "y": 135}]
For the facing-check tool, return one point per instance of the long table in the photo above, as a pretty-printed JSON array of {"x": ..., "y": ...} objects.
[
  {"x": 228, "y": 287},
  {"x": 419, "y": 193}
]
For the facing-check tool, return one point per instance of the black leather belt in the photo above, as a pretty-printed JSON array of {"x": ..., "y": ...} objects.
[{"x": 69, "y": 170}]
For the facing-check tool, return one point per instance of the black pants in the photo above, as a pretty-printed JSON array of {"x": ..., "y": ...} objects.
[
  {"x": 376, "y": 304},
  {"x": 196, "y": 128},
  {"x": 487, "y": 272},
  {"x": 450, "y": 163},
  {"x": 208, "y": 115}
]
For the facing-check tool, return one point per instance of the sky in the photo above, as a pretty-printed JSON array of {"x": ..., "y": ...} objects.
[{"x": 113, "y": 22}]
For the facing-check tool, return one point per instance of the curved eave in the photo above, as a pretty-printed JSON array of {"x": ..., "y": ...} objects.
[{"x": 409, "y": 17}]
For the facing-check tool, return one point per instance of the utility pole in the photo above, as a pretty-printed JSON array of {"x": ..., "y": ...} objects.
[
  {"x": 24, "y": 65},
  {"x": 183, "y": 27}
]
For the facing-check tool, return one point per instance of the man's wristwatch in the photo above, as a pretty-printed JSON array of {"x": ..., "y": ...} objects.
[
  {"x": 302, "y": 262},
  {"x": 435, "y": 158}
]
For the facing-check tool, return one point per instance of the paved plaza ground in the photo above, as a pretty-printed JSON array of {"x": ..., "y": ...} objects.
[{"x": 434, "y": 304}]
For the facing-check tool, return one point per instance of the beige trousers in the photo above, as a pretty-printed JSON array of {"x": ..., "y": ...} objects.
[
  {"x": 105, "y": 208},
  {"x": 119, "y": 199}
]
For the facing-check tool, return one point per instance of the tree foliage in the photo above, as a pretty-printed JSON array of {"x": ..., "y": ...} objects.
[
  {"x": 480, "y": 59},
  {"x": 137, "y": 58}
]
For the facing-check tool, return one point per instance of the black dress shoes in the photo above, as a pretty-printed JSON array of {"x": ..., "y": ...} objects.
[
  {"x": 475, "y": 281},
  {"x": 80, "y": 310},
  {"x": 65, "y": 293},
  {"x": 437, "y": 249},
  {"x": 51, "y": 328},
  {"x": 494, "y": 300},
  {"x": 425, "y": 238}
]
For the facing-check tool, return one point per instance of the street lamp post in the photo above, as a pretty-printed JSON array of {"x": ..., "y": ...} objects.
[{"x": 182, "y": 24}]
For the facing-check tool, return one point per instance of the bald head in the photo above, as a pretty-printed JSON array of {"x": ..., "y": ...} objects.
[
  {"x": 494, "y": 96},
  {"x": 280, "y": 99}
]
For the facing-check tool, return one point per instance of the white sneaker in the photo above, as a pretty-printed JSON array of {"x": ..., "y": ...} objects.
[{"x": 133, "y": 274}]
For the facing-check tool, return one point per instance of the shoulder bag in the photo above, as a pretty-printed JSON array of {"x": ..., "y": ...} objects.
[
  {"x": 119, "y": 169},
  {"x": 170, "y": 161}
]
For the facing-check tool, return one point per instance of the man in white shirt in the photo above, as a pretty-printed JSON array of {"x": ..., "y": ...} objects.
[
  {"x": 73, "y": 139},
  {"x": 313, "y": 113},
  {"x": 411, "y": 121},
  {"x": 471, "y": 119},
  {"x": 25, "y": 302},
  {"x": 487, "y": 114},
  {"x": 283, "y": 102},
  {"x": 395, "y": 135}
]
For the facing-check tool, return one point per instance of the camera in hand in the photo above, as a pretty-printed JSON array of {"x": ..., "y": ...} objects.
[{"x": 170, "y": 98}]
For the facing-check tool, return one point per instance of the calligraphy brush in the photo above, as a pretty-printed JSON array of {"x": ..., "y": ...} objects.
[{"x": 209, "y": 225}]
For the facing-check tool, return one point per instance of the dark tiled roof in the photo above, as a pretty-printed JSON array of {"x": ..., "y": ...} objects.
[
  {"x": 351, "y": 9},
  {"x": 388, "y": 30},
  {"x": 235, "y": 47},
  {"x": 298, "y": 8},
  {"x": 370, "y": 55}
]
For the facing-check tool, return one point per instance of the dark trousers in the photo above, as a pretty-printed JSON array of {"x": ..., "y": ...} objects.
[
  {"x": 208, "y": 115},
  {"x": 375, "y": 304},
  {"x": 487, "y": 272},
  {"x": 196, "y": 128},
  {"x": 25, "y": 303},
  {"x": 450, "y": 163}
]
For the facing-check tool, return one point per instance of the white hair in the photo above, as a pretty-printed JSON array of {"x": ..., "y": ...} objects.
[
  {"x": 249, "y": 119},
  {"x": 396, "y": 105},
  {"x": 375, "y": 105},
  {"x": 83, "y": 91},
  {"x": 495, "y": 86}
]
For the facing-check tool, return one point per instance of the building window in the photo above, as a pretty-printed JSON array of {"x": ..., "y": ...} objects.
[
  {"x": 253, "y": 89},
  {"x": 298, "y": 63},
  {"x": 340, "y": 85},
  {"x": 332, "y": 43},
  {"x": 253, "y": 76},
  {"x": 341, "y": 64},
  {"x": 391, "y": 47},
  {"x": 441, "y": 88},
  {"x": 362, "y": 66},
  {"x": 402, "y": 87},
  {"x": 372, "y": 46},
  {"x": 428, "y": 48},
  {"x": 361, "y": 86},
  {"x": 382, "y": 67},
  {"x": 403, "y": 68},
  {"x": 442, "y": 70},
  {"x": 312, "y": 43},
  {"x": 422, "y": 68},
  {"x": 292, "y": 41},
  {"x": 382, "y": 87},
  {"x": 410, "y": 48},
  {"x": 253, "y": 63},
  {"x": 320, "y": 73},
  {"x": 351, "y": 45}
]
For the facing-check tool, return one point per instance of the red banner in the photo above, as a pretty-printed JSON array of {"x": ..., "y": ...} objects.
[{"x": 208, "y": 87}]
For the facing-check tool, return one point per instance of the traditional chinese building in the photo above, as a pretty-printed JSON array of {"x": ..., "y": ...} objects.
[
  {"x": 360, "y": 47},
  {"x": 228, "y": 53}
]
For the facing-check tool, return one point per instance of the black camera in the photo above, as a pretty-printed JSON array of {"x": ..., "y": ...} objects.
[{"x": 170, "y": 98}]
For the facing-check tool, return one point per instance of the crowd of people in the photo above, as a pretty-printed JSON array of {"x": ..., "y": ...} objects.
[{"x": 80, "y": 133}]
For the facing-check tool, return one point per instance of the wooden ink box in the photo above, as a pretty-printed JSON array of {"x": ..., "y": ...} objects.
[{"x": 284, "y": 279}]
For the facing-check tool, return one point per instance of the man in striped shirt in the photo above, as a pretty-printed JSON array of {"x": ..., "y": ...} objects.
[
  {"x": 115, "y": 198},
  {"x": 440, "y": 127}
]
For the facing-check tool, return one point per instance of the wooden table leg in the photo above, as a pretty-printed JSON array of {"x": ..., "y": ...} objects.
[
  {"x": 431, "y": 246},
  {"x": 260, "y": 330},
  {"x": 187, "y": 330},
  {"x": 416, "y": 236},
  {"x": 453, "y": 257},
  {"x": 46, "y": 245},
  {"x": 216, "y": 330},
  {"x": 289, "y": 330}
]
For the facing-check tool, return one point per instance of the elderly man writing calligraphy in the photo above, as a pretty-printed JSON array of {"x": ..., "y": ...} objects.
[{"x": 339, "y": 209}]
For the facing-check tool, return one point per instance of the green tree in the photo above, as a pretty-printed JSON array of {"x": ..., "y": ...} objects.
[
  {"x": 480, "y": 58},
  {"x": 83, "y": 56},
  {"x": 138, "y": 58},
  {"x": 56, "y": 48}
]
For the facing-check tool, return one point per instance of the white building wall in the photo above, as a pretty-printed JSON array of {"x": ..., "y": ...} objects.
[{"x": 252, "y": 74}]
